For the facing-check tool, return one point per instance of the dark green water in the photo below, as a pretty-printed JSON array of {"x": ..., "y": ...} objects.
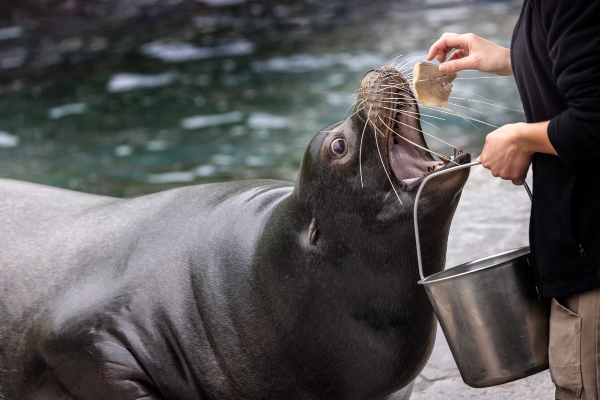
[{"x": 145, "y": 124}]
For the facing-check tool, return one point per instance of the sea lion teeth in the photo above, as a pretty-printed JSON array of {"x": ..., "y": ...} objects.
[
  {"x": 444, "y": 159},
  {"x": 432, "y": 87},
  {"x": 457, "y": 151}
]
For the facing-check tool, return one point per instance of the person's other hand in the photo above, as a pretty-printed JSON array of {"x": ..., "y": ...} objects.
[
  {"x": 505, "y": 154},
  {"x": 472, "y": 52}
]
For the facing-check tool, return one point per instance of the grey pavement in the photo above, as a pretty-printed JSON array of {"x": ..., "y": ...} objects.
[{"x": 493, "y": 216}]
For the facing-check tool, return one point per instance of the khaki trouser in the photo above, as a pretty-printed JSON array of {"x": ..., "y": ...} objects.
[{"x": 574, "y": 349}]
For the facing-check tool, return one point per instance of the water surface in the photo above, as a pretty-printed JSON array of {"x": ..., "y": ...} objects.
[{"x": 180, "y": 113}]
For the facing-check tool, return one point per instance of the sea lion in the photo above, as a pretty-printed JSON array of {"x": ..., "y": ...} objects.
[{"x": 257, "y": 289}]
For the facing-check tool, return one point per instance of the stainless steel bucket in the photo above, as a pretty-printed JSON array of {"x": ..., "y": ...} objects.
[{"x": 490, "y": 313}]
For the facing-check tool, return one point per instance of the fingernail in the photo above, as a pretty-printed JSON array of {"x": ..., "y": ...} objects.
[
  {"x": 443, "y": 68},
  {"x": 478, "y": 159}
]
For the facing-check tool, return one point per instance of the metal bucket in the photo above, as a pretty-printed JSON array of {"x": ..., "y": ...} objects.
[{"x": 490, "y": 312}]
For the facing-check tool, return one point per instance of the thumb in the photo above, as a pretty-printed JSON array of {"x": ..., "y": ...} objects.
[{"x": 456, "y": 65}]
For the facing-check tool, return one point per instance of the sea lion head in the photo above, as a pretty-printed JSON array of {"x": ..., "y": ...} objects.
[{"x": 373, "y": 162}]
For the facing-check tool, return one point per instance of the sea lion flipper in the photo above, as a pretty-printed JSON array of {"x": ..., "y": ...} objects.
[{"x": 100, "y": 370}]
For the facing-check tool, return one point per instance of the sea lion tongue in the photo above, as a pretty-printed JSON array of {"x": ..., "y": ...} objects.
[{"x": 387, "y": 105}]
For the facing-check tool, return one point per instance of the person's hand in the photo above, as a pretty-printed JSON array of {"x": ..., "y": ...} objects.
[
  {"x": 472, "y": 52},
  {"x": 506, "y": 153}
]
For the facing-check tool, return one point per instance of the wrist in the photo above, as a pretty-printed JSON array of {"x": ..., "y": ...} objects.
[
  {"x": 523, "y": 138},
  {"x": 506, "y": 68}
]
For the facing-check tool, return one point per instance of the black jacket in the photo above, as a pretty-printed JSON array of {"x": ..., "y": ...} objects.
[{"x": 555, "y": 56}]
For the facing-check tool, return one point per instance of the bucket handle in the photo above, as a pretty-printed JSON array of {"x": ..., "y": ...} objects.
[{"x": 427, "y": 178}]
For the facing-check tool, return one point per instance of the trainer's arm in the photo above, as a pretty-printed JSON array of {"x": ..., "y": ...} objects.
[{"x": 573, "y": 40}]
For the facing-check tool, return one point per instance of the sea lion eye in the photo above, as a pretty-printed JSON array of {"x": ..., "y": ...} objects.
[{"x": 338, "y": 147}]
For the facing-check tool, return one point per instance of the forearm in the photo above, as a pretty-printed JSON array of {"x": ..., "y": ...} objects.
[{"x": 533, "y": 138}]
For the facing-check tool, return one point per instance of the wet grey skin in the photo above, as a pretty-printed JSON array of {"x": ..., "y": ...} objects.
[{"x": 242, "y": 290}]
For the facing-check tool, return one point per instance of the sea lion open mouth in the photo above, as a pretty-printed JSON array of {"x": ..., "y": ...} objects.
[{"x": 391, "y": 110}]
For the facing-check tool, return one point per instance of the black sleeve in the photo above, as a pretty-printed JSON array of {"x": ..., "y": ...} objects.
[{"x": 573, "y": 40}]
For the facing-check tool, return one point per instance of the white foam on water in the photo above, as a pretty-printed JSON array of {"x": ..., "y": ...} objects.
[
  {"x": 262, "y": 120},
  {"x": 222, "y": 159},
  {"x": 157, "y": 145},
  {"x": 312, "y": 62},
  {"x": 205, "y": 170},
  {"x": 8, "y": 140},
  {"x": 255, "y": 161},
  {"x": 67, "y": 109},
  {"x": 123, "y": 150},
  {"x": 11, "y": 32},
  {"x": 440, "y": 2},
  {"x": 171, "y": 177},
  {"x": 203, "y": 121},
  {"x": 221, "y": 3},
  {"x": 125, "y": 82},
  {"x": 13, "y": 58},
  {"x": 335, "y": 80},
  {"x": 176, "y": 52},
  {"x": 438, "y": 15},
  {"x": 336, "y": 99}
]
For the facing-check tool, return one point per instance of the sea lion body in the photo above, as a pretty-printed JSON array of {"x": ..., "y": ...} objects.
[{"x": 241, "y": 290}]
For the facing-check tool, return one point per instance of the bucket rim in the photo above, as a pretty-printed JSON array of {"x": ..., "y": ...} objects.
[{"x": 517, "y": 253}]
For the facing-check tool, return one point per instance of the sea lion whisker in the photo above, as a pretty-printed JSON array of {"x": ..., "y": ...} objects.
[
  {"x": 474, "y": 94},
  {"x": 419, "y": 119},
  {"x": 484, "y": 102},
  {"x": 408, "y": 59},
  {"x": 412, "y": 116},
  {"x": 421, "y": 114},
  {"x": 398, "y": 59},
  {"x": 475, "y": 119},
  {"x": 396, "y": 84},
  {"x": 351, "y": 115},
  {"x": 461, "y": 106},
  {"x": 383, "y": 163},
  {"x": 425, "y": 133},
  {"x": 444, "y": 109},
  {"x": 404, "y": 88},
  {"x": 360, "y": 152},
  {"x": 359, "y": 109},
  {"x": 466, "y": 119},
  {"x": 398, "y": 100},
  {"x": 353, "y": 104},
  {"x": 405, "y": 66},
  {"x": 391, "y": 61},
  {"x": 452, "y": 112}
]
